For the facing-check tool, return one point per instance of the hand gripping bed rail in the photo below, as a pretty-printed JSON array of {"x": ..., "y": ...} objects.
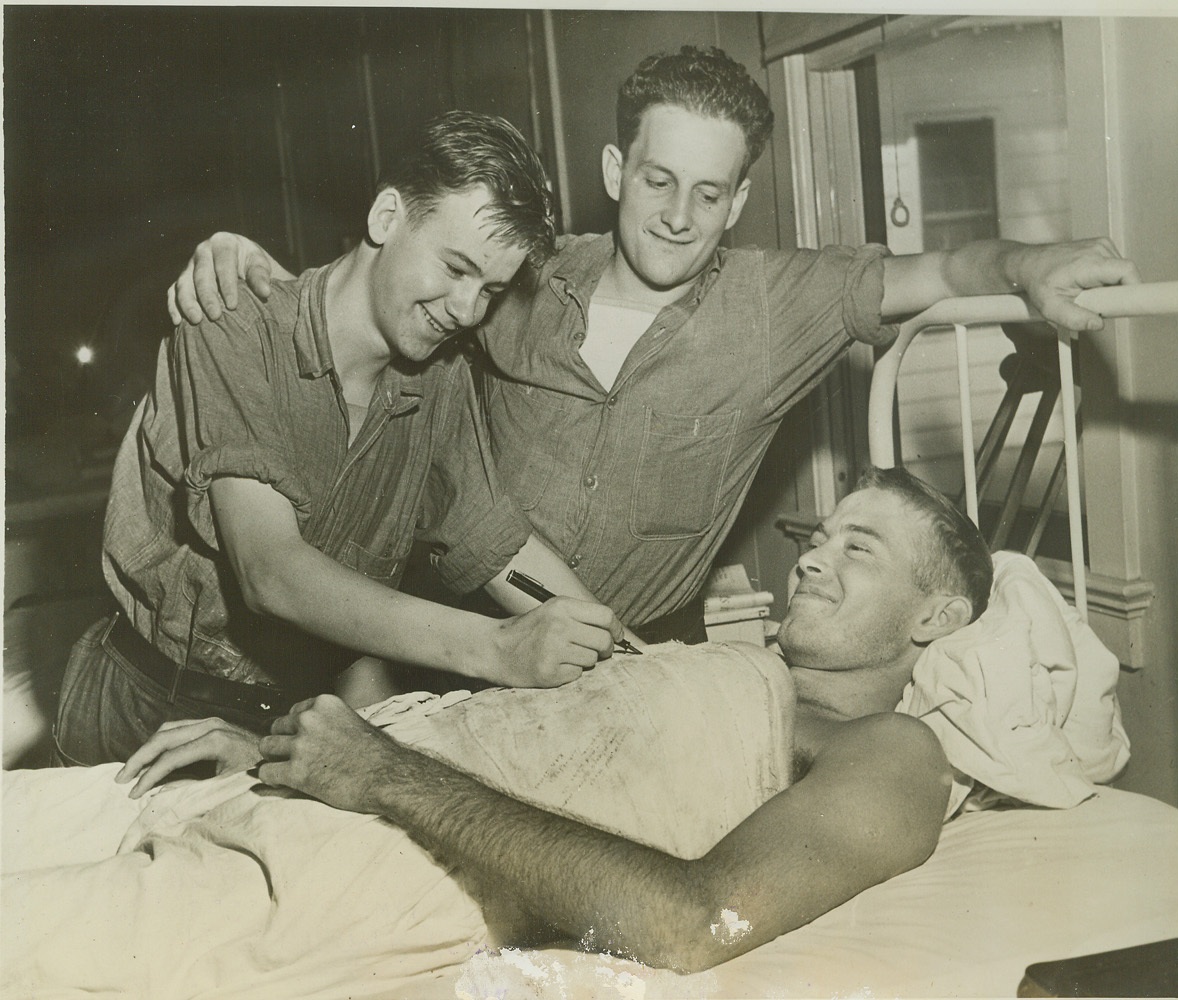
[{"x": 1111, "y": 302}]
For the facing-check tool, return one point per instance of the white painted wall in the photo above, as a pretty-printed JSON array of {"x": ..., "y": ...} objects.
[{"x": 1014, "y": 75}]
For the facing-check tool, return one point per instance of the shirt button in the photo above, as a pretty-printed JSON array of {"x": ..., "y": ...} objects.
[
  {"x": 575, "y": 561},
  {"x": 591, "y": 482},
  {"x": 578, "y": 338},
  {"x": 612, "y": 402}
]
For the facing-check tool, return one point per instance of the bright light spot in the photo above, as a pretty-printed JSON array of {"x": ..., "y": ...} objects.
[
  {"x": 731, "y": 926},
  {"x": 84, "y": 355}
]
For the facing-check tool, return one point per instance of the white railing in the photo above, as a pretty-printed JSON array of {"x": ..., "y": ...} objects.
[{"x": 1111, "y": 302}]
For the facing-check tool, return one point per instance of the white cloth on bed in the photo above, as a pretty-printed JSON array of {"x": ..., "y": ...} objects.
[
  {"x": 217, "y": 891},
  {"x": 1004, "y": 888},
  {"x": 1024, "y": 699}
]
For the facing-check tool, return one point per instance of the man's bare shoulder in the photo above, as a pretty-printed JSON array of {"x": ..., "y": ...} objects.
[
  {"x": 875, "y": 761},
  {"x": 877, "y": 743}
]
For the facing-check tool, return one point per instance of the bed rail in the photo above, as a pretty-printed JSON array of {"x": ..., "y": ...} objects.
[{"x": 1111, "y": 302}]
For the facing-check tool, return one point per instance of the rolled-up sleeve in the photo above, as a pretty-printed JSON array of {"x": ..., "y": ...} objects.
[
  {"x": 862, "y": 299},
  {"x": 817, "y": 302},
  {"x": 473, "y": 527},
  {"x": 225, "y": 390}
]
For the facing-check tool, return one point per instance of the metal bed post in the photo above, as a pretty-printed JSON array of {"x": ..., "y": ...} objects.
[{"x": 1111, "y": 302}]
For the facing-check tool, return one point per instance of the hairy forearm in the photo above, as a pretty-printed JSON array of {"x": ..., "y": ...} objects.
[{"x": 607, "y": 892}]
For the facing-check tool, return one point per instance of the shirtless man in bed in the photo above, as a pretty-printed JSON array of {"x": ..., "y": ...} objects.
[
  {"x": 893, "y": 568},
  {"x": 632, "y": 452}
]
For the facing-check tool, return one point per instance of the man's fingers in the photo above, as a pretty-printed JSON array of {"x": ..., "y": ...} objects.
[
  {"x": 167, "y": 737},
  {"x": 1063, "y": 312},
  {"x": 187, "y": 304},
  {"x": 257, "y": 276},
  {"x": 276, "y": 747},
  {"x": 206, "y": 283},
  {"x": 201, "y": 748},
  {"x": 225, "y": 267},
  {"x": 1111, "y": 271},
  {"x": 289, "y": 724},
  {"x": 173, "y": 309},
  {"x": 1061, "y": 308},
  {"x": 593, "y": 640},
  {"x": 275, "y": 773}
]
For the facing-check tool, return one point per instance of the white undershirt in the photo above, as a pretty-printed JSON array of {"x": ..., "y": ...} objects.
[{"x": 614, "y": 328}]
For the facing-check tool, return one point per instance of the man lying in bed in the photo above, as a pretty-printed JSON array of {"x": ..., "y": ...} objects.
[{"x": 892, "y": 569}]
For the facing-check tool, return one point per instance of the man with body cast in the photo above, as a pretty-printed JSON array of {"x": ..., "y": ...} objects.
[{"x": 848, "y": 792}]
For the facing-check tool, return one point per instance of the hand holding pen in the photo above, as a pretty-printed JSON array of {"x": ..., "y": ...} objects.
[{"x": 537, "y": 591}]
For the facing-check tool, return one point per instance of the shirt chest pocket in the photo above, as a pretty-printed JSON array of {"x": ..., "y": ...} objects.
[{"x": 680, "y": 473}]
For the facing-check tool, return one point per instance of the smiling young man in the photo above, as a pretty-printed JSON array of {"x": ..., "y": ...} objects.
[
  {"x": 269, "y": 489},
  {"x": 895, "y": 567},
  {"x": 634, "y": 385}
]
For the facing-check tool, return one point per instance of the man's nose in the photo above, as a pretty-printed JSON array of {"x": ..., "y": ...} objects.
[
  {"x": 811, "y": 562},
  {"x": 464, "y": 305},
  {"x": 676, "y": 213}
]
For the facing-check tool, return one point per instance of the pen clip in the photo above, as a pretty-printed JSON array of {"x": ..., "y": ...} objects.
[{"x": 533, "y": 588}]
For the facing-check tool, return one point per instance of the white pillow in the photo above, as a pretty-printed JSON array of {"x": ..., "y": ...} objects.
[{"x": 1024, "y": 699}]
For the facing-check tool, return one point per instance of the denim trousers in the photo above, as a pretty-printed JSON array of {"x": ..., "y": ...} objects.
[{"x": 108, "y": 709}]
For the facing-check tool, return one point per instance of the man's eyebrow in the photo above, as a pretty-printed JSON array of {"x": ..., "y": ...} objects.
[
  {"x": 719, "y": 185},
  {"x": 467, "y": 262},
  {"x": 862, "y": 529}
]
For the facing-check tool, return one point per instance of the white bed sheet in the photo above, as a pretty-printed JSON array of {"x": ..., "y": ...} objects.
[
  {"x": 352, "y": 908},
  {"x": 1004, "y": 889}
]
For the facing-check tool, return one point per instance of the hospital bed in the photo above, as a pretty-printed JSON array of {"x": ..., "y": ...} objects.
[{"x": 1041, "y": 862}]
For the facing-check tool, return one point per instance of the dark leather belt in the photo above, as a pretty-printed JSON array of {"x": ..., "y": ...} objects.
[{"x": 256, "y": 699}]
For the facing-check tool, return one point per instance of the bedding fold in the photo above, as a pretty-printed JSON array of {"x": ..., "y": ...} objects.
[{"x": 1024, "y": 699}]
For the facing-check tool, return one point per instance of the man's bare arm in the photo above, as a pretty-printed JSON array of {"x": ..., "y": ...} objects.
[
  {"x": 1051, "y": 275},
  {"x": 869, "y": 808},
  {"x": 283, "y": 577}
]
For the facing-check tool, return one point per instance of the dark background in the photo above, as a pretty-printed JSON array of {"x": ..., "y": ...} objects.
[{"x": 133, "y": 132}]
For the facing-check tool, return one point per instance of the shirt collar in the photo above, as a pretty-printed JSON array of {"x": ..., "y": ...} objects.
[
  {"x": 313, "y": 348},
  {"x": 580, "y": 270}
]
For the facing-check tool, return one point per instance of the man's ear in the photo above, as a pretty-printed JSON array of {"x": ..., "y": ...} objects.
[
  {"x": 942, "y": 615},
  {"x": 738, "y": 200},
  {"x": 611, "y": 170},
  {"x": 386, "y": 213}
]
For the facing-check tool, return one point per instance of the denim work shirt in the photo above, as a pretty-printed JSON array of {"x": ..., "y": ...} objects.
[
  {"x": 255, "y": 395},
  {"x": 637, "y": 485}
]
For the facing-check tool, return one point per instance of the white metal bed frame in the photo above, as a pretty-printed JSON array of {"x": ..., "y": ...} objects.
[{"x": 1111, "y": 302}]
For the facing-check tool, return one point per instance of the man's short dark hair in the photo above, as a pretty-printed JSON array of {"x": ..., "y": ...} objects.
[
  {"x": 958, "y": 560},
  {"x": 459, "y": 150},
  {"x": 706, "y": 81}
]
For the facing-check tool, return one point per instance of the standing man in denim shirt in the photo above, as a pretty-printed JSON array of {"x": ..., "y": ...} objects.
[
  {"x": 269, "y": 489},
  {"x": 634, "y": 383}
]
